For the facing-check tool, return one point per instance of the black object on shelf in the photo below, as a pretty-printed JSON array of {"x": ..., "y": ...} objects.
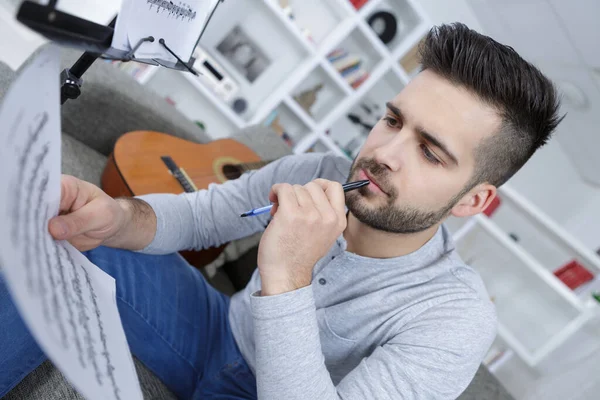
[
  {"x": 239, "y": 105},
  {"x": 390, "y": 25},
  {"x": 94, "y": 39},
  {"x": 355, "y": 119}
]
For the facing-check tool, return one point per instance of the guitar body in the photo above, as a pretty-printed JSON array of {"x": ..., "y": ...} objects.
[{"x": 136, "y": 167}]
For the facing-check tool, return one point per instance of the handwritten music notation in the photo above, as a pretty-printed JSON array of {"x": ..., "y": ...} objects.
[
  {"x": 182, "y": 10},
  {"x": 67, "y": 302}
]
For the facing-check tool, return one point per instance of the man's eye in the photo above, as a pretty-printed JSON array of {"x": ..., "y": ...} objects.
[
  {"x": 429, "y": 156},
  {"x": 391, "y": 122}
]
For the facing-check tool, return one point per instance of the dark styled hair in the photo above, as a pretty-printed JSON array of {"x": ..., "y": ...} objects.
[{"x": 524, "y": 98}]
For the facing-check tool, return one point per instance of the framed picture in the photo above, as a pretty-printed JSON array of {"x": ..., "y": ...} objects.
[{"x": 244, "y": 54}]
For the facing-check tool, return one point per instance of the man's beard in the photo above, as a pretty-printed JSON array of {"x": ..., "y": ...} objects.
[{"x": 391, "y": 217}]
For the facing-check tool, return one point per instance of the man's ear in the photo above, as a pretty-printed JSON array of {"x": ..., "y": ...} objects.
[{"x": 476, "y": 201}]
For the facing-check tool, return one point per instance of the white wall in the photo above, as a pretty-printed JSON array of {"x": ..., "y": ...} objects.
[
  {"x": 446, "y": 11},
  {"x": 563, "y": 178}
]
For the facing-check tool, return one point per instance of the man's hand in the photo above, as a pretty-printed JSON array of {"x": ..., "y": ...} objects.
[
  {"x": 306, "y": 222},
  {"x": 88, "y": 218}
]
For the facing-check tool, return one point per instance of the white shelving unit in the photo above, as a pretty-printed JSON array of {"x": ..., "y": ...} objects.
[
  {"x": 298, "y": 63},
  {"x": 516, "y": 250}
]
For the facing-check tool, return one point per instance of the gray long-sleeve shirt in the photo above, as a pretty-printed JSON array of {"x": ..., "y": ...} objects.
[{"x": 410, "y": 327}]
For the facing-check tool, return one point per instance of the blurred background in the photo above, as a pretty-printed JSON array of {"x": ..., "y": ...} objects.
[{"x": 318, "y": 72}]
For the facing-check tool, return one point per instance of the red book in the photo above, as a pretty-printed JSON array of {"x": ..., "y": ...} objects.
[
  {"x": 358, "y": 3},
  {"x": 492, "y": 207},
  {"x": 573, "y": 274}
]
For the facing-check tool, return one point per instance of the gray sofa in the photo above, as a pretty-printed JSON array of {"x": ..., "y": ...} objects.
[{"x": 111, "y": 104}]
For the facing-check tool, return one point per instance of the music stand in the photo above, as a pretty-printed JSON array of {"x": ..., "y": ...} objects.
[{"x": 94, "y": 39}]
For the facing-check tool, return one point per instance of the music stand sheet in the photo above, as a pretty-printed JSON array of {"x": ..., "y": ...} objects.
[
  {"x": 179, "y": 23},
  {"x": 68, "y": 303}
]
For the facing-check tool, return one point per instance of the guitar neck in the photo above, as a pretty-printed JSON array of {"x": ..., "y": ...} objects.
[{"x": 179, "y": 174}]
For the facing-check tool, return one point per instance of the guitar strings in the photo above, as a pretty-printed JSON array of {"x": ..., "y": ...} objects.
[
  {"x": 258, "y": 165},
  {"x": 193, "y": 176}
]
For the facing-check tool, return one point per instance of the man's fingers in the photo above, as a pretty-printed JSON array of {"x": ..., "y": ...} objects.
[
  {"x": 303, "y": 196},
  {"x": 319, "y": 198},
  {"x": 335, "y": 194},
  {"x": 73, "y": 193},
  {"x": 283, "y": 194},
  {"x": 65, "y": 227}
]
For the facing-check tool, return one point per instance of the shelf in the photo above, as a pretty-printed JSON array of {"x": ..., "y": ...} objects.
[
  {"x": 315, "y": 20},
  {"x": 241, "y": 32},
  {"x": 497, "y": 356},
  {"x": 385, "y": 14},
  {"x": 306, "y": 143},
  {"x": 354, "y": 58},
  {"x": 368, "y": 8},
  {"x": 319, "y": 93},
  {"x": 287, "y": 124},
  {"x": 148, "y": 74},
  {"x": 547, "y": 250},
  {"x": 384, "y": 90},
  {"x": 139, "y": 71},
  {"x": 317, "y": 142},
  {"x": 413, "y": 38},
  {"x": 318, "y": 147},
  {"x": 368, "y": 109},
  {"x": 296, "y": 30},
  {"x": 194, "y": 104},
  {"x": 409, "y": 62},
  {"x": 206, "y": 92},
  {"x": 530, "y": 309},
  {"x": 322, "y": 145}
]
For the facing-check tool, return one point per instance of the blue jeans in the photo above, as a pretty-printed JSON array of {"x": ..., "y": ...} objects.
[{"x": 174, "y": 321}]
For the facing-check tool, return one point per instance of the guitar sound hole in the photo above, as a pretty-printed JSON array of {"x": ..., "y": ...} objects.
[{"x": 231, "y": 172}]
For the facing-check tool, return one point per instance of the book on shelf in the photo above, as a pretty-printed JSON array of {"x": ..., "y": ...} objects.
[
  {"x": 360, "y": 80},
  {"x": 349, "y": 65},
  {"x": 336, "y": 55},
  {"x": 573, "y": 274},
  {"x": 272, "y": 121},
  {"x": 350, "y": 69},
  {"x": 346, "y": 61}
]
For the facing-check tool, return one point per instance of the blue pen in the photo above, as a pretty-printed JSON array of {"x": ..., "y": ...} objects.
[{"x": 346, "y": 186}]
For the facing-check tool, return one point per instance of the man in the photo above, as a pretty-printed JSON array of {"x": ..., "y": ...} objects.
[{"x": 368, "y": 302}]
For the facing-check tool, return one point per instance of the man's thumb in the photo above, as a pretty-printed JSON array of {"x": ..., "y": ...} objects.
[{"x": 64, "y": 227}]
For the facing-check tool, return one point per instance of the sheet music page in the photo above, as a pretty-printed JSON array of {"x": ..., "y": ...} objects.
[
  {"x": 179, "y": 23},
  {"x": 67, "y": 302},
  {"x": 120, "y": 40}
]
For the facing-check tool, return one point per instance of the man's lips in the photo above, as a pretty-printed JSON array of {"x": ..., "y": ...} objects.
[{"x": 365, "y": 175}]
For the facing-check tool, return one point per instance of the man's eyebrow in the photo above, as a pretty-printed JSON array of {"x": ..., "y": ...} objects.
[
  {"x": 395, "y": 110},
  {"x": 424, "y": 134},
  {"x": 437, "y": 143}
]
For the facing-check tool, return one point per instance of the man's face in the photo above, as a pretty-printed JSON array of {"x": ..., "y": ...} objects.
[{"x": 420, "y": 156}]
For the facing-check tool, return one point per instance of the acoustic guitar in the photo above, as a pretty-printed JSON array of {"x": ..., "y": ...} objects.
[{"x": 145, "y": 162}]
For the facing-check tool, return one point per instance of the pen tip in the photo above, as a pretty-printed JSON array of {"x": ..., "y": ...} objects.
[{"x": 244, "y": 215}]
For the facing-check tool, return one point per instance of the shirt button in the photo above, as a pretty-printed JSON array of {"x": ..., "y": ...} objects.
[{"x": 322, "y": 281}]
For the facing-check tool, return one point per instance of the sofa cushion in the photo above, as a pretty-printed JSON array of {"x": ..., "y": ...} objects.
[
  {"x": 81, "y": 161},
  {"x": 263, "y": 141},
  {"x": 112, "y": 103},
  {"x": 485, "y": 386},
  {"x": 48, "y": 383}
]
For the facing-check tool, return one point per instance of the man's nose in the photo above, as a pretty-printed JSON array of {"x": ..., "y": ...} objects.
[{"x": 391, "y": 154}]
